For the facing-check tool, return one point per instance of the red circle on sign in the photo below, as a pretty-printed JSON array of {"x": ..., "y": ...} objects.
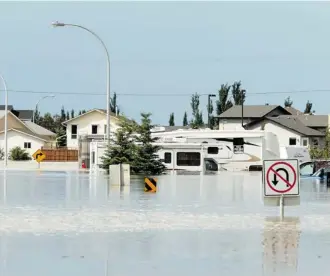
[{"x": 272, "y": 170}]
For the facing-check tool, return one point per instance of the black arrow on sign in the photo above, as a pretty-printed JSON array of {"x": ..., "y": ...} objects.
[
  {"x": 286, "y": 174},
  {"x": 39, "y": 154}
]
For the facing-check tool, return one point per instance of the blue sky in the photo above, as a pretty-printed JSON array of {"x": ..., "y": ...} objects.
[{"x": 165, "y": 48}]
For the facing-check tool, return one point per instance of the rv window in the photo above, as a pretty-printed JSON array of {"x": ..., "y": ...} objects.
[
  {"x": 168, "y": 157},
  {"x": 188, "y": 159},
  {"x": 212, "y": 150},
  {"x": 238, "y": 141}
]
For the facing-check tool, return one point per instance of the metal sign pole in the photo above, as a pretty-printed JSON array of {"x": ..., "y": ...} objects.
[{"x": 282, "y": 207}]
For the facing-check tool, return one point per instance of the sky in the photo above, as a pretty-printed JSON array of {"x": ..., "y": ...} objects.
[{"x": 163, "y": 52}]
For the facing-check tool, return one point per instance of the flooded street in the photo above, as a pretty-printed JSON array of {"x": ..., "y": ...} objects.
[{"x": 58, "y": 223}]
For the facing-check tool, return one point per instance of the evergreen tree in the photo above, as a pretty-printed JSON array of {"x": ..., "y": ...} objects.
[
  {"x": 61, "y": 136},
  {"x": 37, "y": 117},
  {"x": 308, "y": 108},
  {"x": 197, "y": 120},
  {"x": 67, "y": 115},
  {"x": 288, "y": 102},
  {"x": 122, "y": 149},
  {"x": 147, "y": 161},
  {"x": 171, "y": 121},
  {"x": 185, "y": 119},
  {"x": 113, "y": 103},
  {"x": 79, "y": 113},
  {"x": 63, "y": 114},
  {"x": 72, "y": 113}
]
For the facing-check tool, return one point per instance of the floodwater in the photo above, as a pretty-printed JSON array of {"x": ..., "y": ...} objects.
[{"x": 58, "y": 223}]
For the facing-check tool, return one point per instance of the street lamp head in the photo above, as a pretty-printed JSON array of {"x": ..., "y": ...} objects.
[{"x": 58, "y": 24}]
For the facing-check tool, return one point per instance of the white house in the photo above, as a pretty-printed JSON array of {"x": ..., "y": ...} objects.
[
  {"x": 24, "y": 134},
  {"x": 92, "y": 123},
  {"x": 289, "y": 130}
]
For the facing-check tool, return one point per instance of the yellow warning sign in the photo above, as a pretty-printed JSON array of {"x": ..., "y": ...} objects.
[{"x": 39, "y": 156}]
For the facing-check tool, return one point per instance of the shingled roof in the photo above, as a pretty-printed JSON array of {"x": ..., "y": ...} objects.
[
  {"x": 251, "y": 111},
  {"x": 290, "y": 122}
]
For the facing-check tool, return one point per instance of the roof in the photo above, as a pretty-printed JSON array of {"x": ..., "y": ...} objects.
[
  {"x": 25, "y": 114},
  {"x": 3, "y": 107},
  {"x": 293, "y": 110},
  {"x": 292, "y": 123},
  {"x": 38, "y": 129},
  {"x": 103, "y": 111},
  {"x": 27, "y": 132},
  {"x": 250, "y": 111},
  {"x": 314, "y": 120}
]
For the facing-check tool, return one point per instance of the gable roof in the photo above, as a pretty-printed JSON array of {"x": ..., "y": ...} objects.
[
  {"x": 25, "y": 114},
  {"x": 39, "y": 130},
  {"x": 292, "y": 123},
  {"x": 314, "y": 120},
  {"x": 102, "y": 111},
  {"x": 28, "y": 133},
  {"x": 293, "y": 110},
  {"x": 251, "y": 111}
]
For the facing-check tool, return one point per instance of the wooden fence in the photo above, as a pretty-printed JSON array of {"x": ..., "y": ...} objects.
[{"x": 60, "y": 155}]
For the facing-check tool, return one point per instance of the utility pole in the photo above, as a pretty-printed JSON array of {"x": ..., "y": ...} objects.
[
  {"x": 243, "y": 91},
  {"x": 209, "y": 109}
]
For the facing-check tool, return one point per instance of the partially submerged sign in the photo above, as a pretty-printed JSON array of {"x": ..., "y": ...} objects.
[{"x": 281, "y": 182}]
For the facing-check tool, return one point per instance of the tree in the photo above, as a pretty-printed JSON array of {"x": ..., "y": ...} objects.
[
  {"x": 238, "y": 93},
  {"x": 37, "y": 117},
  {"x": 18, "y": 154},
  {"x": 67, "y": 115},
  {"x": 61, "y": 138},
  {"x": 324, "y": 152},
  {"x": 288, "y": 102},
  {"x": 223, "y": 103},
  {"x": 79, "y": 113},
  {"x": 72, "y": 113},
  {"x": 210, "y": 110},
  {"x": 146, "y": 160},
  {"x": 113, "y": 103},
  {"x": 197, "y": 120},
  {"x": 185, "y": 119},
  {"x": 47, "y": 121},
  {"x": 122, "y": 149},
  {"x": 63, "y": 114},
  {"x": 171, "y": 121},
  {"x": 308, "y": 108}
]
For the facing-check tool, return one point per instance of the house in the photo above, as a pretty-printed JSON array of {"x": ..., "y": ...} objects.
[
  {"x": 92, "y": 124},
  {"x": 24, "y": 133},
  {"x": 231, "y": 119},
  {"x": 24, "y": 115},
  {"x": 290, "y": 130}
]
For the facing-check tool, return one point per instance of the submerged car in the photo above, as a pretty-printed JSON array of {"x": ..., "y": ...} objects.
[{"x": 312, "y": 167}]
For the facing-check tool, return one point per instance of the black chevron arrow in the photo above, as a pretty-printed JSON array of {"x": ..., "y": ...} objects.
[
  {"x": 286, "y": 174},
  {"x": 39, "y": 154}
]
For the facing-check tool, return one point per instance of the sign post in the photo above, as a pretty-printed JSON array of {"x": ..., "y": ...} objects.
[
  {"x": 281, "y": 183},
  {"x": 39, "y": 156}
]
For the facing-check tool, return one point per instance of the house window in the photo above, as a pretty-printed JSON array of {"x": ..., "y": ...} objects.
[
  {"x": 168, "y": 158},
  {"x": 74, "y": 131},
  {"x": 305, "y": 142},
  {"x": 188, "y": 159},
  {"x": 315, "y": 142},
  {"x": 94, "y": 129},
  {"x": 212, "y": 150},
  {"x": 292, "y": 141},
  {"x": 27, "y": 145}
]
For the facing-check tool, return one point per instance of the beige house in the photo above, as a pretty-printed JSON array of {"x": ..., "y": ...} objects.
[
  {"x": 24, "y": 134},
  {"x": 92, "y": 124}
]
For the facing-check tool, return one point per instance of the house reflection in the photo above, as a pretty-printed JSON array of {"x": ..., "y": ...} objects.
[{"x": 280, "y": 246}]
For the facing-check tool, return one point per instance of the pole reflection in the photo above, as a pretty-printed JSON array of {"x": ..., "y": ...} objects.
[{"x": 280, "y": 244}]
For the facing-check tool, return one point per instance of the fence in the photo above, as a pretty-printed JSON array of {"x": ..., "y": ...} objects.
[{"x": 60, "y": 155}]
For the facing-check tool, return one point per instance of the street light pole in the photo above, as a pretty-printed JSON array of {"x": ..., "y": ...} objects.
[
  {"x": 60, "y": 24},
  {"x": 209, "y": 108},
  {"x": 35, "y": 110},
  {"x": 6, "y": 120}
]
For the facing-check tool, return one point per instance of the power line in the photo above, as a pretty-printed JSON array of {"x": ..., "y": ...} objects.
[{"x": 161, "y": 95}]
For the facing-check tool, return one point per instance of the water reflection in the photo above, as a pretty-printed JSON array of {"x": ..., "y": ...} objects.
[{"x": 280, "y": 244}]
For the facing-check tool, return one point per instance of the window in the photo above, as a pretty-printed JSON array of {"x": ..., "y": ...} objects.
[
  {"x": 212, "y": 150},
  {"x": 238, "y": 145},
  {"x": 74, "y": 131},
  {"x": 307, "y": 169},
  {"x": 94, "y": 129},
  {"x": 305, "y": 142},
  {"x": 27, "y": 145},
  {"x": 292, "y": 141},
  {"x": 188, "y": 159},
  {"x": 315, "y": 142},
  {"x": 168, "y": 157},
  {"x": 211, "y": 165}
]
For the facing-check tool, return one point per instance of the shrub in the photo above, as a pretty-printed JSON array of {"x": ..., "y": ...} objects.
[{"x": 18, "y": 154}]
